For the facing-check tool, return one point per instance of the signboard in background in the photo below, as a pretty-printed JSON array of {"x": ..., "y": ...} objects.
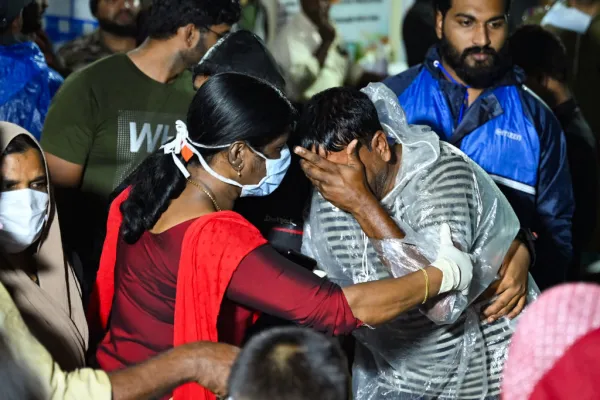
[
  {"x": 66, "y": 20},
  {"x": 364, "y": 26}
]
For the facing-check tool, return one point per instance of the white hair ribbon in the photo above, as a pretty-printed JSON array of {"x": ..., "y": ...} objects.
[{"x": 179, "y": 145}]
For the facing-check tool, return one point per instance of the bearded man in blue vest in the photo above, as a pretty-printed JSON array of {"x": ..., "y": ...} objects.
[{"x": 470, "y": 94}]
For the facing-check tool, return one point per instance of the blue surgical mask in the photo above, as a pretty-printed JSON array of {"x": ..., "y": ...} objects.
[{"x": 276, "y": 168}]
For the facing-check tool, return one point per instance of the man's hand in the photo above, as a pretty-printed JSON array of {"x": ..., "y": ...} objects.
[
  {"x": 344, "y": 186},
  {"x": 206, "y": 363},
  {"x": 511, "y": 289},
  {"x": 213, "y": 363}
]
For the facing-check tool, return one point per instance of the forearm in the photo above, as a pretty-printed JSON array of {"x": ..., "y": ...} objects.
[
  {"x": 321, "y": 53},
  {"x": 268, "y": 282},
  {"x": 154, "y": 377},
  {"x": 381, "y": 301},
  {"x": 375, "y": 222}
]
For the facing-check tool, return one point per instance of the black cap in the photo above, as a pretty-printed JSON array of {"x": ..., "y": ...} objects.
[{"x": 10, "y": 9}]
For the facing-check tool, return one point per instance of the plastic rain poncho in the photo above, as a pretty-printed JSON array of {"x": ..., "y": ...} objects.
[
  {"x": 441, "y": 350},
  {"x": 27, "y": 86}
]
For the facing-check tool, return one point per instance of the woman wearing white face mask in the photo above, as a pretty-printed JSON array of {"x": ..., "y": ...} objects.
[
  {"x": 178, "y": 266},
  {"x": 32, "y": 263}
]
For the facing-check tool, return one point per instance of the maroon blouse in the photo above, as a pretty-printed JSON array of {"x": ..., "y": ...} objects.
[{"x": 141, "y": 324}]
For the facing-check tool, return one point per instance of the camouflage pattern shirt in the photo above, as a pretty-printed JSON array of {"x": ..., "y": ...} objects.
[{"x": 83, "y": 51}]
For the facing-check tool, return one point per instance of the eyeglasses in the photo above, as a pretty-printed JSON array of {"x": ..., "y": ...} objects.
[{"x": 217, "y": 34}]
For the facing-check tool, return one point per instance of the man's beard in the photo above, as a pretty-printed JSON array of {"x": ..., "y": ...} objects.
[
  {"x": 483, "y": 74},
  {"x": 193, "y": 56},
  {"x": 120, "y": 30}
]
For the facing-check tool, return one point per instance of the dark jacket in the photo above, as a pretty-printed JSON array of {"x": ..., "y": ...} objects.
[
  {"x": 513, "y": 136},
  {"x": 584, "y": 71},
  {"x": 582, "y": 150}
]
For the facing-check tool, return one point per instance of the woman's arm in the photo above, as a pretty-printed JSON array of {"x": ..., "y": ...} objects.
[
  {"x": 378, "y": 302},
  {"x": 269, "y": 282}
]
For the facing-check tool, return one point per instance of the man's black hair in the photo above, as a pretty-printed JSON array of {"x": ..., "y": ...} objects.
[
  {"x": 539, "y": 52},
  {"x": 290, "y": 364},
  {"x": 332, "y": 119},
  {"x": 444, "y": 5},
  {"x": 242, "y": 52},
  {"x": 167, "y": 16}
]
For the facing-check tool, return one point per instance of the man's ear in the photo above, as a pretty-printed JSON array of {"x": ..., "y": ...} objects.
[
  {"x": 189, "y": 34},
  {"x": 380, "y": 145},
  {"x": 439, "y": 24}
]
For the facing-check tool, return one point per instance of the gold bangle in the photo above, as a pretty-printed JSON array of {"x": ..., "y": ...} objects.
[{"x": 426, "y": 286}]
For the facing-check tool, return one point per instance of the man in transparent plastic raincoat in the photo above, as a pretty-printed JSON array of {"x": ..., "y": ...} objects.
[{"x": 383, "y": 189}]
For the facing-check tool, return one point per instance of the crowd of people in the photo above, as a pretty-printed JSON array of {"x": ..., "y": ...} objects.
[{"x": 200, "y": 202}]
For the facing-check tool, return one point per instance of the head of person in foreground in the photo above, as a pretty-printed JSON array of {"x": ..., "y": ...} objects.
[{"x": 290, "y": 364}]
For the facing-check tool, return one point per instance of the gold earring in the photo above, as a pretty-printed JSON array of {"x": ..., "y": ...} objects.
[{"x": 239, "y": 172}]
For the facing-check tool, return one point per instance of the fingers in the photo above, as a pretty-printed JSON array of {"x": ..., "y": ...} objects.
[
  {"x": 314, "y": 173},
  {"x": 313, "y": 158},
  {"x": 518, "y": 308},
  {"x": 505, "y": 294},
  {"x": 505, "y": 310},
  {"x": 500, "y": 303},
  {"x": 445, "y": 235}
]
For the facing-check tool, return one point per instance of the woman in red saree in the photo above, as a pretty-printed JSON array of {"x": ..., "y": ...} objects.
[{"x": 178, "y": 266}]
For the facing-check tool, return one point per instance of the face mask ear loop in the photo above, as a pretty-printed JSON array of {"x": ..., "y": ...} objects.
[{"x": 184, "y": 146}]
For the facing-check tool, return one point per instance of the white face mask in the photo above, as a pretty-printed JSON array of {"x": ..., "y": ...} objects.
[
  {"x": 568, "y": 18},
  {"x": 22, "y": 216}
]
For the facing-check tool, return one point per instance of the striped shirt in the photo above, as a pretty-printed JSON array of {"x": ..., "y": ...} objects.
[{"x": 413, "y": 357}]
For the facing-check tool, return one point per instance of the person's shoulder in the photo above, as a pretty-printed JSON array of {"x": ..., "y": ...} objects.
[
  {"x": 103, "y": 68},
  {"x": 96, "y": 78},
  {"x": 452, "y": 160},
  {"x": 399, "y": 83},
  {"x": 535, "y": 109},
  {"x": 75, "y": 44},
  {"x": 224, "y": 220},
  {"x": 86, "y": 43}
]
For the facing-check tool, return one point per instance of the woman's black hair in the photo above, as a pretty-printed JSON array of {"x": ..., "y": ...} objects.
[
  {"x": 243, "y": 52},
  {"x": 228, "y": 108},
  {"x": 20, "y": 144}
]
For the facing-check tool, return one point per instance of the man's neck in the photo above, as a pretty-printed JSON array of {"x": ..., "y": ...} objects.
[
  {"x": 117, "y": 44},
  {"x": 157, "y": 60},
  {"x": 392, "y": 173},
  {"x": 473, "y": 93}
]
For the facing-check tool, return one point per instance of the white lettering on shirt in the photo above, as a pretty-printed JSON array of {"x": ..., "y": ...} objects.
[{"x": 136, "y": 141}]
